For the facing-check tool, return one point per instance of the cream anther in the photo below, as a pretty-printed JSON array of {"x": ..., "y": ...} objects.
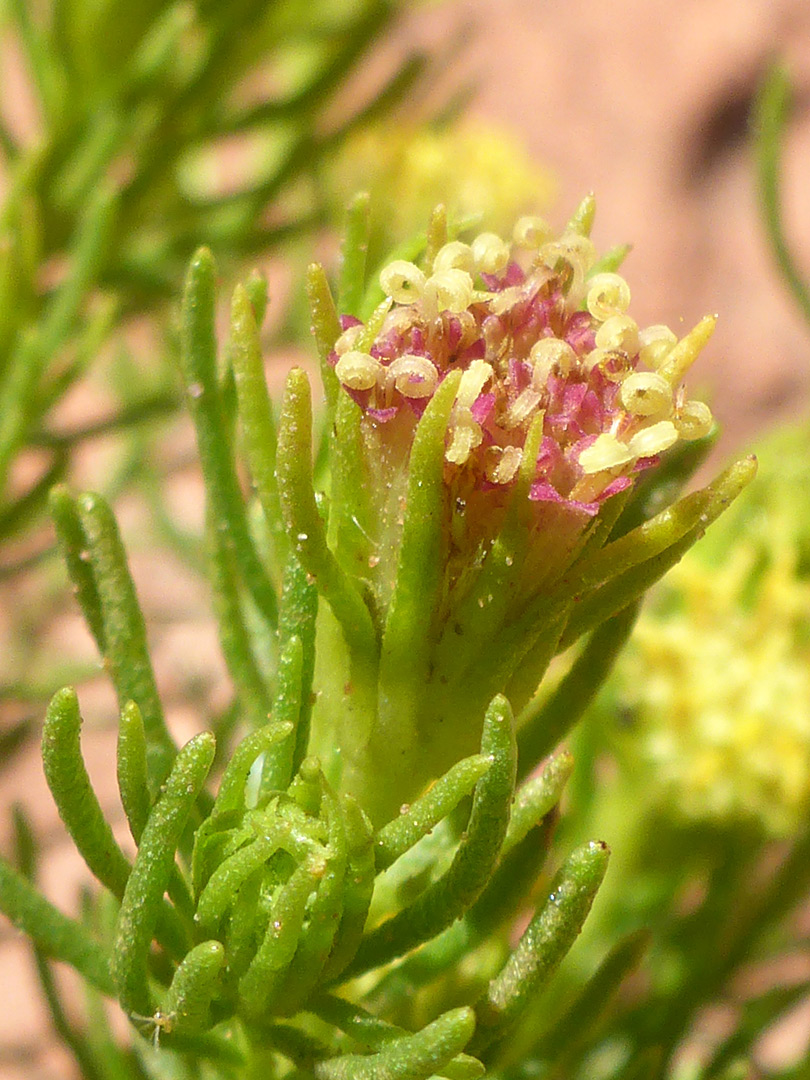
[
  {"x": 466, "y": 434},
  {"x": 523, "y": 406},
  {"x": 693, "y": 420},
  {"x": 531, "y": 232},
  {"x": 414, "y": 376},
  {"x": 454, "y": 256},
  {"x": 619, "y": 333},
  {"x": 403, "y": 281},
  {"x": 608, "y": 294},
  {"x": 358, "y": 370},
  {"x": 490, "y": 253},
  {"x": 577, "y": 250},
  {"x": 550, "y": 355},
  {"x": 654, "y": 439},
  {"x": 606, "y": 452},
  {"x": 473, "y": 382},
  {"x": 503, "y": 464},
  {"x": 449, "y": 290},
  {"x": 655, "y": 344},
  {"x": 644, "y": 393},
  {"x": 349, "y": 338}
]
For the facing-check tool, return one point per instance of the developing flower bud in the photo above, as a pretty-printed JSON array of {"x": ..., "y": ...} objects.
[
  {"x": 608, "y": 294},
  {"x": 403, "y": 281},
  {"x": 490, "y": 253}
]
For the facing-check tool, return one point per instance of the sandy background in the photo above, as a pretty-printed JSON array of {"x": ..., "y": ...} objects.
[{"x": 645, "y": 102}]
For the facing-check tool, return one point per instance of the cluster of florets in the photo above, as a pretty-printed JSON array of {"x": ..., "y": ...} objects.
[
  {"x": 537, "y": 329},
  {"x": 719, "y": 690}
]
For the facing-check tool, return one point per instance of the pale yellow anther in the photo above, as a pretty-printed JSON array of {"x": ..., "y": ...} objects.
[
  {"x": 645, "y": 393},
  {"x": 531, "y": 232},
  {"x": 414, "y": 376},
  {"x": 503, "y": 464},
  {"x": 403, "y": 281},
  {"x": 606, "y": 452},
  {"x": 522, "y": 407},
  {"x": 472, "y": 383},
  {"x": 694, "y": 420},
  {"x": 490, "y": 253},
  {"x": 577, "y": 250},
  {"x": 608, "y": 294},
  {"x": 349, "y": 338},
  {"x": 550, "y": 355},
  {"x": 358, "y": 370},
  {"x": 654, "y": 439},
  {"x": 683, "y": 355},
  {"x": 449, "y": 290},
  {"x": 655, "y": 344},
  {"x": 454, "y": 256},
  {"x": 619, "y": 333},
  {"x": 465, "y": 435}
]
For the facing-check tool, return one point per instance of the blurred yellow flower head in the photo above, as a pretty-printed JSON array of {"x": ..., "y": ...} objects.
[
  {"x": 474, "y": 169},
  {"x": 718, "y": 680}
]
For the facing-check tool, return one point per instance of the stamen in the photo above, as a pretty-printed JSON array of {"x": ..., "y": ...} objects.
[
  {"x": 654, "y": 439},
  {"x": 608, "y": 294},
  {"x": 522, "y": 407},
  {"x": 473, "y": 382},
  {"x": 449, "y": 290},
  {"x": 550, "y": 355},
  {"x": 454, "y": 256},
  {"x": 504, "y": 464},
  {"x": 490, "y": 253},
  {"x": 466, "y": 435},
  {"x": 644, "y": 393},
  {"x": 656, "y": 344},
  {"x": 606, "y": 452},
  {"x": 403, "y": 281},
  {"x": 693, "y": 420},
  {"x": 531, "y": 232},
  {"x": 414, "y": 376},
  {"x": 358, "y": 370},
  {"x": 619, "y": 333},
  {"x": 349, "y": 338}
]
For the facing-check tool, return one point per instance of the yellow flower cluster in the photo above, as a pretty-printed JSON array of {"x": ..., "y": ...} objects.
[
  {"x": 718, "y": 679},
  {"x": 475, "y": 170}
]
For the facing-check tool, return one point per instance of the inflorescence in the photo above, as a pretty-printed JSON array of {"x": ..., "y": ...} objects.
[{"x": 538, "y": 328}]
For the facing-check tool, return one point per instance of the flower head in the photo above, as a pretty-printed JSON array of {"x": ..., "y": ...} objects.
[
  {"x": 556, "y": 378},
  {"x": 489, "y": 416}
]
